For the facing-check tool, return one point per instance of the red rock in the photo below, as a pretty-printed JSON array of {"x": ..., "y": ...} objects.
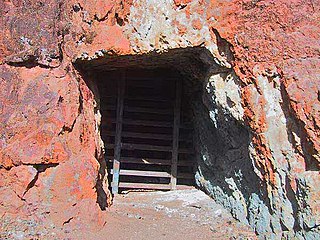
[{"x": 47, "y": 109}]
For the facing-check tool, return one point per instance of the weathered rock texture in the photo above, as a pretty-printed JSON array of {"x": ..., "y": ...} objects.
[{"x": 257, "y": 124}]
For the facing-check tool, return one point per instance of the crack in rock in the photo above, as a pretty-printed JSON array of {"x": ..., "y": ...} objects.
[
  {"x": 40, "y": 168},
  {"x": 68, "y": 221}
]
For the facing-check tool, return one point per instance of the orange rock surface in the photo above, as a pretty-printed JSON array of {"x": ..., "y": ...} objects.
[{"x": 50, "y": 152}]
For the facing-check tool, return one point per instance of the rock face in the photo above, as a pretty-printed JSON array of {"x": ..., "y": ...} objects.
[{"x": 261, "y": 99}]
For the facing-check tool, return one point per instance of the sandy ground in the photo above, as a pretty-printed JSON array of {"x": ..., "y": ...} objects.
[{"x": 174, "y": 215}]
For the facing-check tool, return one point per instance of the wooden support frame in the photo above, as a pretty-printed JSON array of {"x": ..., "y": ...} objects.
[
  {"x": 148, "y": 140},
  {"x": 117, "y": 147},
  {"x": 176, "y": 128}
]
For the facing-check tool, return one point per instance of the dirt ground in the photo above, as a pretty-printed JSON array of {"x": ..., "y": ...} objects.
[{"x": 173, "y": 215}]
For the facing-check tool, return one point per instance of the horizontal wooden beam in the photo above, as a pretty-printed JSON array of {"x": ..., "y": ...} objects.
[
  {"x": 142, "y": 98},
  {"x": 147, "y": 161},
  {"x": 144, "y": 186},
  {"x": 148, "y": 110},
  {"x": 132, "y": 146},
  {"x": 139, "y": 122},
  {"x": 143, "y": 135},
  {"x": 147, "y": 136},
  {"x": 146, "y": 147},
  {"x": 151, "y": 161},
  {"x": 152, "y": 110},
  {"x": 126, "y": 172},
  {"x": 140, "y": 173},
  {"x": 151, "y": 186},
  {"x": 147, "y": 123},
  {"x": 151, "y": 99}
]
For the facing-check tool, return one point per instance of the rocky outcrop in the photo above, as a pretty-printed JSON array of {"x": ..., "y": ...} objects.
[
  {"x": 260, "y": 98},
  {"x": 49, "y": 146}
]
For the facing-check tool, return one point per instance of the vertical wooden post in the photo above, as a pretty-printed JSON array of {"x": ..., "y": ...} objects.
[
  {"x": 117, "y": 142},
  {"x": 175, "y": 142}
]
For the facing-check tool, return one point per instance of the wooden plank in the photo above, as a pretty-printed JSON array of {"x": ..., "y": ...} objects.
[
  {"x": 148, "y": 110},
  {"x": 138, "y": 98},
  {"x": 132, "y": 146},
  {"x": 150, "y": 104},
  {"x": 175, "y": 142},
  {"x": 144, "y": 186},
  {"x": 127, "y": 172},
  {"x": 147, "y": 123},
  {"x": 145, "y": 98},
  {"x": 152, "y": 186},
  {"x": 140, "y": 122},
  {"x": 151, "y": 161},
  {"x": 117, "y": 147},
  {"x": 148, "y": 161},
  {"x": 147, "y": 136},
  {"x": 147, "y": 147},
  {"x": 151, "y": 110}
]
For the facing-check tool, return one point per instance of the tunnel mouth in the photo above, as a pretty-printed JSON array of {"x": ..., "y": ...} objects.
[
  {"x": 223, "y": 150},
  {"x": 153, "y": 93},
  {"x": 152, "y": 123},
  {"x": 219, "y": 143}
]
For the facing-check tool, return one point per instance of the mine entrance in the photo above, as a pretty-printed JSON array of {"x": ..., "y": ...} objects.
[{"x": 146, "y": 128}]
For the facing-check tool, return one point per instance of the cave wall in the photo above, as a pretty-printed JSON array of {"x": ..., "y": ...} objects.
[{"x": 264, "y": 105}]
